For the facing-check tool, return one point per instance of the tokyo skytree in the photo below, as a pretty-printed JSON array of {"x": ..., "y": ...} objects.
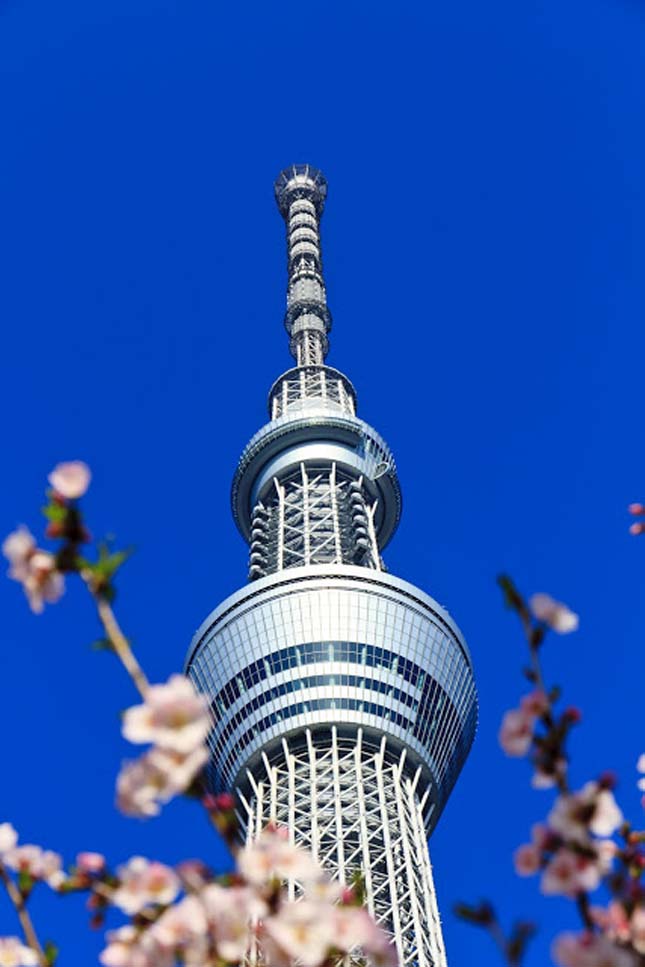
[{"x": 343, "y": 698}]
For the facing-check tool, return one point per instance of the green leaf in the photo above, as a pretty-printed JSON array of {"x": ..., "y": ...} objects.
[
  {"x": 51, "y": 952},
  {"x": 25, "y": 883},
  {"x": 56, "y": 513}
]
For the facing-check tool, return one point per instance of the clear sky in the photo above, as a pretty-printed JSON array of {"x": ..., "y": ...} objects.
[{"x": 484, "y": 245}]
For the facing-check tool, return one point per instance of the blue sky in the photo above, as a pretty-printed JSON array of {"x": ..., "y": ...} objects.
[{"x": 484, "y": 245}]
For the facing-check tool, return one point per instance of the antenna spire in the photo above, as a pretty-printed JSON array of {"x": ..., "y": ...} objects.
[{"x": 300, "y": 192}]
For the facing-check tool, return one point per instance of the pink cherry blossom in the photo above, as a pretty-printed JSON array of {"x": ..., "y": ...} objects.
[
  {"x": 173, "y": 716},
  {"x": 536, "y": 703},
  {"x": 553, "y": 613},
  {"x": 568, "y": 874},
  {"x": 70, "y": 480},
  {"x": 90, "y": 862},
  {"x": 13, "y": 953},
  {"x": 613, "y": 921},
  {"x": 231, "y": 912},
  {"x": 156, "y": 777},
  {"x": 302, "y": 931},
  {"x": 8, "y": 838},
  {"x": 527, "y": 859},
  {"x": 143, "y": 882},
  {"x": 589, "y": 950},
  {"x": 516, "y": 732},
  {"x": 272, "y": 856},
  {"x": 38, "y": 863}
]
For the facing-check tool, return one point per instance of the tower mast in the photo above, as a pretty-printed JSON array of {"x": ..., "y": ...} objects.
[{"x": 343, "y": 698}]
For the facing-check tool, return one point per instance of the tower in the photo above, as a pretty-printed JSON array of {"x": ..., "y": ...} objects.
[{"x": 343, "y": 698}]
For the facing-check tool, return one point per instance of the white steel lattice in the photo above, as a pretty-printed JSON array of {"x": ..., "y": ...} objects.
[
  {"x": 353, "y": 804},
  {"x": 315, "y": 515}
]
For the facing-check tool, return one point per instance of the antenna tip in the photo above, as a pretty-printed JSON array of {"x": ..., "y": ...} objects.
[{"x": 300, "y": 181}]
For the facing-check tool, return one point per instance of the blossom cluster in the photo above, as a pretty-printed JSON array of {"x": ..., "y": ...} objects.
[
  {"x": 174, "y": 718},
  {"x": 31, "y": 863},
  {"x": 568, "y": 850},
  {"x": 574, "y": 850},
  {"x": 39, "y": 571},
  {"x": 186, "y": 915}
]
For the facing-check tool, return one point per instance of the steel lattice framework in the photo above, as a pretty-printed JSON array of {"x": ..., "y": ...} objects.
[{"x": 343, "y": 698}]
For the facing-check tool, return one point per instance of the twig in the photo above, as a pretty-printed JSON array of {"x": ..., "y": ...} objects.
[
  {"x": 116, "y": 638},
  {"x": 20, "y": 905}
]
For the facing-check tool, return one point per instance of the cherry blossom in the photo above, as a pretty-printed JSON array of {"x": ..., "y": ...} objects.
[
  {"x": 589, "y": 950},
  {"x": 13, "y": 953},
  {"x": 34, "y": 569},
  {"x": 637, "y": 929},
  {"x": 536, "y": 703},
  {"x": 569, "y": 873},
  {"x": 637, "y": 510},
  {"x": 182, "y": 928},
  {"x": 8, "y": 838},
  {"x": 302, "y": 931},
  {"x": 230, "y": 912},
  {"x": 18, "y": 548},
  {"x": 38, "y": 863},
  {"x": 613, "y": 921},
  {"x": 516, "y": 732},
  {"x": 553, "y": 613},
  {"x": 592, "y": 808},
  {"x": 527, "y": 859},
  {"x": 640, "y": 765},
  {"x": 70, "y": 480},
  {"x": 90, "y": 862},
  {"x": 353, "y": 928},
  {"x": 128, "y": 947},
  {"x": 143, "y": 882},
  {"x": 156, "y": 777},
  {"x": 271, "y": 856},
  {"x": 173, "y": 716}
]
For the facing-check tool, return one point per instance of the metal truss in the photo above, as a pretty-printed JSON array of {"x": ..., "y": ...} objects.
[
  {"x": 322, "y": 383},
  {"x": 315, "y": 515},
  {"x": 353, "y": 804}
]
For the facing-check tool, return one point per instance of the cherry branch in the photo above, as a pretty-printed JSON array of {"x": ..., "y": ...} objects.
[{"x": 20, "y": 905}]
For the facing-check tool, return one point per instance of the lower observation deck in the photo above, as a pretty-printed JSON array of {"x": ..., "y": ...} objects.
[{"x": 329, "y": 645}]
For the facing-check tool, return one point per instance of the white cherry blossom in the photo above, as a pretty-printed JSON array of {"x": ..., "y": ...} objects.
[
  {"x": 143, "y": 882},
  {"x": 18, "y": 548},
  {"x": 13, "y": 953},
  {"x": 38, "y": 863},
  {"x": 173, "y": 716},
  {"x": 553, "y": 613},
  {"x": 568, "y": 874},
  {"x": 156, "y": 777},
  {"x": 231, "y": 912},
  {"x": 272, "y": 856},
  {"x": 8, "y": 838},
  {"x": 71, "y": 479},
  {"x": 302, "y": 932}
]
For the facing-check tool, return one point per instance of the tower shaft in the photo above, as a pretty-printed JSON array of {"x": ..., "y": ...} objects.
[
  {"x": 351, "y": 803},
  {"x": 342, "y": 698}
]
